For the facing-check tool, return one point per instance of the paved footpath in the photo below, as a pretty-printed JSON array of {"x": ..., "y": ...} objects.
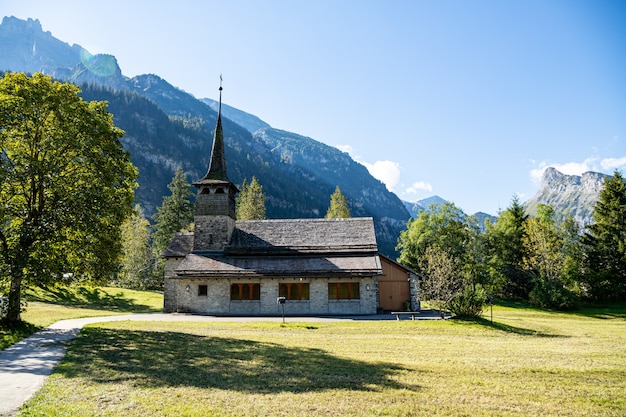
[{"x": 25, "y": 366}]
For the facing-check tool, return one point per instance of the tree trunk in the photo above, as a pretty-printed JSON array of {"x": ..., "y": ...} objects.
[{"x": 15, "y": 297}]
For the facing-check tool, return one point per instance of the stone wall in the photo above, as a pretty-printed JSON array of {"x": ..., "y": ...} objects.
[
  {"x": 170, "y": 285},
  {"x": 181, "y": 295},
  {"x": 212, "y": 233}
]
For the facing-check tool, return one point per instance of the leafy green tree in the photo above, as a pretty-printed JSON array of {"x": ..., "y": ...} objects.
[
  {"x": 443, "y": 278},
  {"x": 605, "y": 242},
  {"x": 442, "y": 244},
  {"x": 338, "y": 208},
  {"x": 443, "y": 226},
  {"x": 136, "y": 253},
  {"x": 548, "y": 259},
  {"x": 505, "y": 251},
  {"x": 174, "y": 214},
  {"x": 66, "y": 186},
  {"x": 251, "y": 201}
]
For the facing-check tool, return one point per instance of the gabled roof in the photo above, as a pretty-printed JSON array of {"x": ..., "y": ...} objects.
[
  {"x": 399, "y": 265},
  {"x": 300, "y": 247},
  {"x": 290, "y": 236},
  {"x": 354, "y": 235},
  {"x": 180, "y": 246}
]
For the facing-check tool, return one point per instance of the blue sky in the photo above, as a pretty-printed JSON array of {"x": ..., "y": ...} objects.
[{"x": 468, "y": 100}]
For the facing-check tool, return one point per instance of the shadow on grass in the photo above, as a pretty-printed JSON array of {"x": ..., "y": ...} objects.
[
  {"x": 611, "y": 311},
  {"x": 11, "y": 333},
  {"x": 86, "y": 297},
  {"x": 154, "y": 359},
  {"x": 510, "y": 329}
]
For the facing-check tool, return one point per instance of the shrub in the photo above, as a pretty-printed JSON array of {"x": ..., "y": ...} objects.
[
  {"x": 551, "y": 294},
  {"x": 470, "y": 302}
]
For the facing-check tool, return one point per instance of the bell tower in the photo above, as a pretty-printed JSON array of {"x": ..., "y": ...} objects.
[{"x": 214, "y": 215}]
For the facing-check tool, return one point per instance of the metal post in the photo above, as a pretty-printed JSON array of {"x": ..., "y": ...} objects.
[
  {"x": 283, "y": 305},
  {"x": 281, "y": 301}
]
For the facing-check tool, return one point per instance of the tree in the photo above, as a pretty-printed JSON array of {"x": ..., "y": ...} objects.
[
  {"x": 442, "y": 245},
  {"x": 174, "y": 214},
  {"x": 546, "y": 260},
  {"x": 251, "y": 201},
  {"x": 443, "y": 226},
  {"x": 136, "y": 253},
  {"x": 443, "y": 277},
  {"x": 66, "y": 186},
  {"x": 605, "y": 242},
  {"x": 504, "y": 244},
  {"x": 338, "y": 208}
]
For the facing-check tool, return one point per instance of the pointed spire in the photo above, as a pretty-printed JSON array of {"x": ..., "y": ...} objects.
[{"x": 217, "y": 164}]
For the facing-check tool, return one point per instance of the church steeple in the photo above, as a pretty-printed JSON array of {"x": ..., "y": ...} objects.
[
  {"x": 214, "y": 215},
  {"x": 217, "y": 164}
]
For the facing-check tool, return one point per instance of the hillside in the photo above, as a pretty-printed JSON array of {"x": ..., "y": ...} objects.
[{"x": 166, "y": 128}]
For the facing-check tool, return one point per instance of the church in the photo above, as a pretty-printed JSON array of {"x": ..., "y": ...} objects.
[{"x": 264, "y": 267}]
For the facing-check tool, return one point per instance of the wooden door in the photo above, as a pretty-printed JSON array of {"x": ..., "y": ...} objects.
[{"x": 393, "y": 294}]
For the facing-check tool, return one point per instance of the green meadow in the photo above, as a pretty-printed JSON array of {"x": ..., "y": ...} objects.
[
  {"x": 526, "y": 362},
  {"x": 45, "y": 307}
]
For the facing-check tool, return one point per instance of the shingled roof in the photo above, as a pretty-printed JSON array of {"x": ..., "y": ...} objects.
[
  {"x": 198, "y": 265},
  {"x": 303, "y": 236},
  {"x": 285, "y": 247}
]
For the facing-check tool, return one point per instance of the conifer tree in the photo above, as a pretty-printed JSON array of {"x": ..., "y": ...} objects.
[
  {"x": 251, "y": 201},
  {"x": 605, "y": 242},
  {"x": 338, "y": 208},
  {"x": 504, "y": 241},
  {"x": 174, "y": 214}
]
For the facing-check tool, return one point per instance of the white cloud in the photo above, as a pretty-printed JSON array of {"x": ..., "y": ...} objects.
[
  {"x": 418, "y": 186},
  {"x": 576, "y": 168},
  {"x": 613, "y": 163},
  {"x": 568, "y": 168},
  {"x": 386, "y": 171}
]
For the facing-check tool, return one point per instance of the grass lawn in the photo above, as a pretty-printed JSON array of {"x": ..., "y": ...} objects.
[
  {"x": 48, "y": 306},
  {"x": 528, "y": 362}
]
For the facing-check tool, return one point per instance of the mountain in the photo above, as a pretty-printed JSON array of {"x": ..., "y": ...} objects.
[
  {"x": 482, "y": 217},
  {"x": 423, "y": 204},
  {"x": 246, "y": 120},
  {"x": 427, "y": 204},
  {"x": 568, "y": 194},
  {"x": 167, "y": 127},
  {"x": 26, "y": 46}
]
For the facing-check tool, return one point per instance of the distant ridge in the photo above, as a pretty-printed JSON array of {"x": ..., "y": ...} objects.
[
  {"x": 246, "y": 120},
  {"x": 426, "y": 204},
  {"x": 423, "y": 204}
]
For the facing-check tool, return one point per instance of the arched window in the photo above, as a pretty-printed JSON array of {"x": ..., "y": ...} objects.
[
  {"x": 343, "y": 291},
  {"x": 245, "y": 291},
  {"x": 294, "y": 290}
]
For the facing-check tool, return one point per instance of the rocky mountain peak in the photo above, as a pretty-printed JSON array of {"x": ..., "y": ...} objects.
[
  {"x": 13, "y": 24},
  {"x": 575, "y": 195}
]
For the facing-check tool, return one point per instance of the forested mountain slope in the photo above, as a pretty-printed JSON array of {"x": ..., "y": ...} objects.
[{"x": 167, "y": 127}]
